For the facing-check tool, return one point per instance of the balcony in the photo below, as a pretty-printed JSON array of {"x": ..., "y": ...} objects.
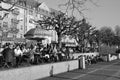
[
  {"x": 14, "y": 30},
  {"x": 15, "y": 21},
  {"x": 5, "y": 24},
  {"x": 16, "y": 12}
]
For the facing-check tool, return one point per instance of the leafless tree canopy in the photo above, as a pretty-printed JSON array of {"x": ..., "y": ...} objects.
[{"x": 76, "y": 5}]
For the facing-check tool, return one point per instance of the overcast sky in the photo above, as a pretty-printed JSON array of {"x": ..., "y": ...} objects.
[{"x": 107, "y": 14}]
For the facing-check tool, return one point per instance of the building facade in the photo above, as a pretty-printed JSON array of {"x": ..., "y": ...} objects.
[{"x": 22, "y": 18}]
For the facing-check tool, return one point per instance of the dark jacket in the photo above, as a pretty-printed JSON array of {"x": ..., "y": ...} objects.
[{"x": 8, "y": 54}]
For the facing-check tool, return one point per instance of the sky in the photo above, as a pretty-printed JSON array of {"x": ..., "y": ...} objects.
[{"x": 106, "y": 14}]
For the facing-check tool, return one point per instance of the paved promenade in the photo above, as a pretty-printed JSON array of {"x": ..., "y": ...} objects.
[{"x": 99, "y": 71}]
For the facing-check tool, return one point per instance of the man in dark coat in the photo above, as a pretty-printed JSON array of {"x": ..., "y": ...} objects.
[
  {"x": 67, "y": 52},
  {"x": 8, "y": 54}
]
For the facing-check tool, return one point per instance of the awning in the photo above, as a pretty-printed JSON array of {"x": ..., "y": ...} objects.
[
  {"x": 69, "y": 44},
  {"x": 37, "y": 34}
]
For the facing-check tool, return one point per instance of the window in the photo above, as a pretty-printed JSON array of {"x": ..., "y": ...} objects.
[
  {"x": 13, "y": 24},
  {"x": 21, "y": 36},
  {"x": 30, "y": 20},
  {"x": 5, "y": 24},
  {"x": 21, "y": 27},
  {"x": 30, "y": 12},
  {"x": 14, "y": 36},
  {"x": 16, "y": 11}
]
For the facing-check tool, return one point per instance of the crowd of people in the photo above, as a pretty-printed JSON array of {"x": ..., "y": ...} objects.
[
  {"x": 93, "y": 59},
  {"x": 13, "y": 55},
  {"x": 17, "y": 54}
]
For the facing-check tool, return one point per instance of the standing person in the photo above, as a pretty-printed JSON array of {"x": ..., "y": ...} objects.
[
  {"x": 18, "y": 55},
  {"x": 8, "y": 54},
  {"x": 71, "y": 53},
  {"x": 63, "y": 53},
  {"x": 31, "y": 53},
  {"x": 67, "y": 52},
  {"x": 37, "y": 56},
  {"x": 1, "y": 55},
  {"x": 55, "y": 51},
  {"x": 60, "y": 55},
  {"x": 24, "y": 50},
  {"x": 1, "y": 49}
]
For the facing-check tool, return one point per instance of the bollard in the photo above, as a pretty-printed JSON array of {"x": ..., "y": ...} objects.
[
  {"x": 68, "y": 69},
  {"x": 118, "y": 56},
  {"x": 108, "y": 57},
  {"x": 81, "y": 62},
  {"x": 51, "y": 71}
]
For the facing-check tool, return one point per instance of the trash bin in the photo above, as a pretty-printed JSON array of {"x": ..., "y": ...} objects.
[
  {"x": 81, "y": 62},
  {"x": 109, "y": 57},
  {"x": 118, "y": 56}
]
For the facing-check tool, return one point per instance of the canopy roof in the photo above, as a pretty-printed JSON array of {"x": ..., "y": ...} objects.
[{"x": 37, "y": 34}]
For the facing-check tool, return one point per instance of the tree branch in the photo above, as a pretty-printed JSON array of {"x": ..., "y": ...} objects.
[
  {"x": 9, "y": 9},
  {"x": 4, "y": 16},
  {"x": 77, "y": 5}
]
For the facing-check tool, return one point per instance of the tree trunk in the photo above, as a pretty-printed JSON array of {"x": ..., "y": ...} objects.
[
  {"x": 99, "y": 44},
  {"x": 59, "y": 41}
]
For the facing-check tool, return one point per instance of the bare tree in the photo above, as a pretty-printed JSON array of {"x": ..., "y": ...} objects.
[
  {"x": 60, "y": 23},
  {"x": 77, "y": 5}
]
